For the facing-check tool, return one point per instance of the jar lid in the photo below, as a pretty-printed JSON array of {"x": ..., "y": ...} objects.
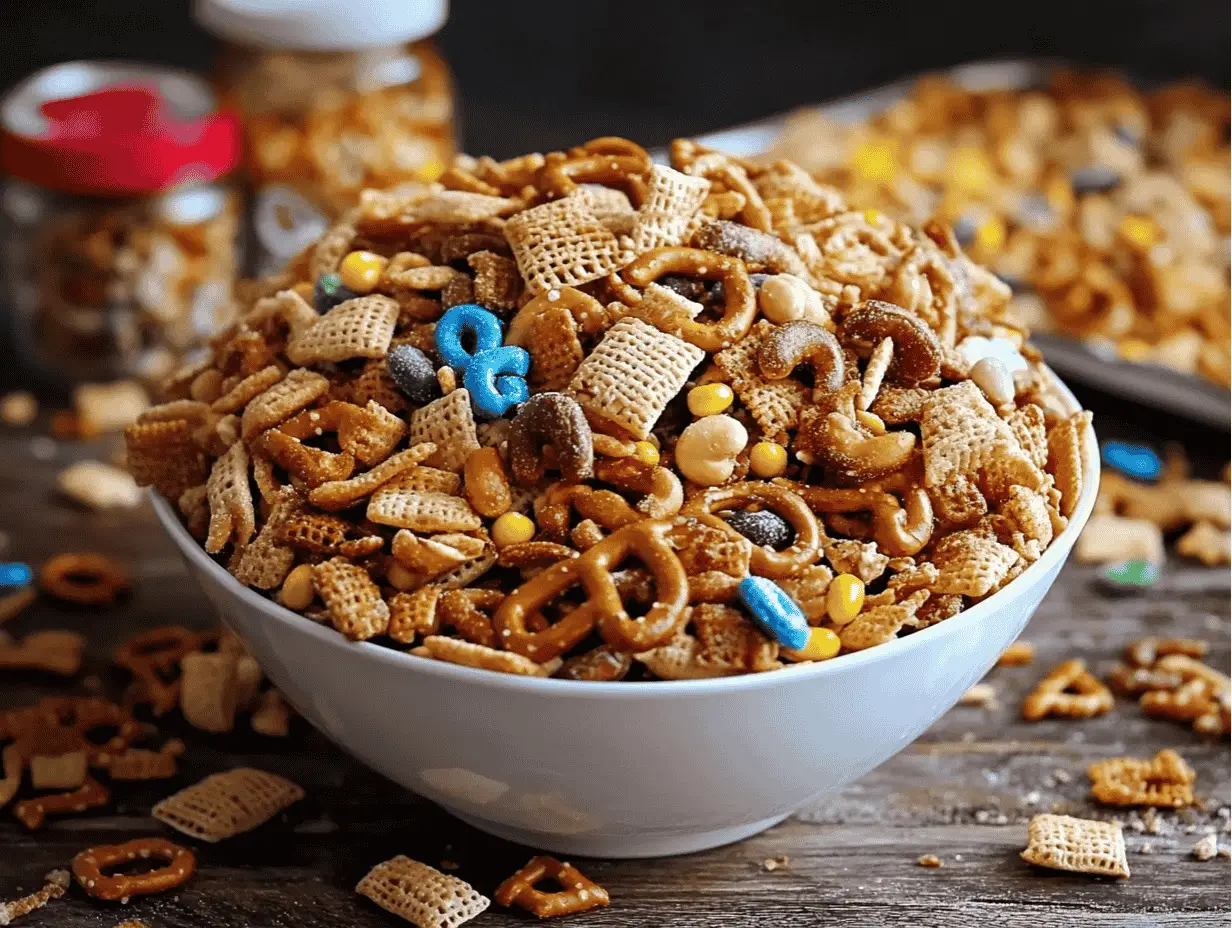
[
  {"x": 322, "y": 25},
  {"x": 109, "y": 128}
]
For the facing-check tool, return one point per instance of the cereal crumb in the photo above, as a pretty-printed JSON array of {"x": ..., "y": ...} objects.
[
  {"x": 449, "y": 864},
  {"x": 1207, "y": 848},
  {"x": 980, "y": 695},
  {"x": 770, "y": 864},
  {"x": 18, "y": 408},
  {"x": 1146, "y": 848},
  {"x": 931, "y": 861}
]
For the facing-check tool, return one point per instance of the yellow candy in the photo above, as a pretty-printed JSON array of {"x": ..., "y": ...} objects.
[
  {"x": 512, "y": 528},
  {"x": 969, "y": 170},
  {"x": 1134, "y": 349},
  {"x": 872, "y": 216},
  {"x": 875, "y": 161},
  {"x": 822, "y": 645},
  {"x": 646, "y": 452},
  {"x": 1139, "y": 231},
  {"x": 711, "y": 399},
  {"x": 360, "y": 270},
  {"x": 991, "y": 235},
  {"x": 430, "y": 170},
  {"x": 768, "y": 459},
  {"x": 844, "y": 598},
  {"x": 871, "y": 421}
]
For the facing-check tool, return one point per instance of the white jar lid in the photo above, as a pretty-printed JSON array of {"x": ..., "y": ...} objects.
[{"x": 321, "y": 25}]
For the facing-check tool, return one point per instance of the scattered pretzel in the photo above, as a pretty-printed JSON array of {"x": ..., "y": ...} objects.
[
  {"x": 603, "y": 608},
  {"x": 88, "y": 868},
  {"x": 1069, "y": 691},
  {"x": 740, "y": 306},
  {"x": 577, "y": 895},
  {"x": 33, "y": 812},
  {"x": 84, "y": 578},
  {"x": 151, "y": 655}
]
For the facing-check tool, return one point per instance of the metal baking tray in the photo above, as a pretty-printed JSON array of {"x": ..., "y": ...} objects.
[{"x": 1090, "y": 364}]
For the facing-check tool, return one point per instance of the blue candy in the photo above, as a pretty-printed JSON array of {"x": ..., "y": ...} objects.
[
  {"x": 15, "y": 574},
  {"x": 492, "y": 394},
  {"x": 774, "y": 611},
  {"x": 1135, "y": 461},
  {"x": 467, "y": 317}
]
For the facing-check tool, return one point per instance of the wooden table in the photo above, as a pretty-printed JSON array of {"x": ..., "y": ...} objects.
[{"x": 963, "y": 792}]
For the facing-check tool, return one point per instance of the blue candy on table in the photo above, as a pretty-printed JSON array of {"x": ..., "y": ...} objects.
[
  {"x": 1137, "y": 461},
  {"x": 492, "y": 393},
  {"x": 774, "y": 611},
  {"x": 1130, "y": 575},
  {"x": 484, "y": 327},
  {"x": 15, "y": 574}
]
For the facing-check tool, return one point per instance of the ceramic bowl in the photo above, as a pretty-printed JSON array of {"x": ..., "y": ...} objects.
[{"x": 627, "y": 769}]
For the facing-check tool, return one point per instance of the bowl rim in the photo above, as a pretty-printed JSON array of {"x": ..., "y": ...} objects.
[{"x": 1057, "y": 551}]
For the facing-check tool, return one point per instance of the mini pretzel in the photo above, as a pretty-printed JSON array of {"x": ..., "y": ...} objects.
[
  {"x": 610, "y": 161},
  {"x": 590, "y": 315},
  {"x": 603, "y": 607},
  {"x": 740, "y": 307},
  {"x": 797, "y": 342},
  {"x": 917, "y": 352},
  {"x": 32, "y": 812},
  {"x": 664, "y": 494},
  {"x": 84, "y": 578},
  {"x": 578, "y": 894},
  {"x": 153, "y": 653},
  {"x": 554, "y": 507},
  {"x": 838, "y": 442},
  {"x": 88, "y": 868},
  {"x": 533, "y": 554},
  {"x": 557, "y": 419},
  {"x": 780, "y": 499},
  {"x": 900, "y": 530}
]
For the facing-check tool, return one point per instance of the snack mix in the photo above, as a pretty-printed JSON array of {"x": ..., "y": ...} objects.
[
  {"x": 1107, "y": 209},
  {"x": 587, "y": 416}
]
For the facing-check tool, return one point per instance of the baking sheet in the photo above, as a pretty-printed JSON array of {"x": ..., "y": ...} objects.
[{"x": 1150, "y": 384}]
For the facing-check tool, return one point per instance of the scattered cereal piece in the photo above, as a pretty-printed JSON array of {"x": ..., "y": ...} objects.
[
  {"x": 227, "y": 804},
  {"x": 1206, "y": 848},
  {"x": 98, "y": 485},
  {"x": 422, "y": 895},
  {"x": 1017, "y": 654},
  {"x": 1165, "y": 780},
  {"x": 18, "y": 408},
  {"x": 982, "y": 696},
  {"x": 35, "y": 900},
  {"x": 1060, "y": 842},
  {"x": 105, "y": 407},
  {"x": 932, "y": 861}
]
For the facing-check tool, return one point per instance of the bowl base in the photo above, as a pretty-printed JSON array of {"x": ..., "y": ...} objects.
[{"x": 620, "y": 846}]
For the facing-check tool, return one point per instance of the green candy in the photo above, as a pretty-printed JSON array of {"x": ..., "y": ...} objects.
[{"x": 1135, "y": 574}]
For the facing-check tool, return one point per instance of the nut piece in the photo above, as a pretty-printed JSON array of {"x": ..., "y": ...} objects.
[
  {"x": 707, "y": 450},
  {"x": 785, "y": 297}
]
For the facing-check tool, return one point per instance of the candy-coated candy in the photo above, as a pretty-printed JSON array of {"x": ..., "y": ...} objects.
[
  {"x": 844, "y": 598},
  {"x": 15, "y": 574},
  {"x": 1139, "y": 231},
  {"x": 413, "y": 373},
  {"x": 875, "y": 161},
  {"x": 768, "y": 459},
  {"x": 970, "y": 170},
  {"x": 1134, "y": 349},
  {"x": 646, "y": 452},
  {"x": 484, "y": 327},
  {"x": 329, "y": 291},
  {"x": 774, "y": 611},
  {"x": 710, "y": 399},
  {"x": 493, "y": 394},
  {"x": 766, "y": 529},
  {"x": 872, "y": 217},
  {"x": 994, "y": 380},
  {"x": 361, "y": 270},
  {"x": 991, "y": 235},
  {"x": 822, "y": 645},
  {"x": 512, "y": 528},
  {"x": 1131, "y": 575},
  {"x": 1135, "y": 461}
]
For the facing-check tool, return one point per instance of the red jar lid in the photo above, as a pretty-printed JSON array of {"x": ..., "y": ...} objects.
[{"x": 107, "y": 128}]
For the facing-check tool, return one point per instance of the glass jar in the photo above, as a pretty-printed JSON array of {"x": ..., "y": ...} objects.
[
  {"x": 117, "y": 240},
  {"x": 334, "y": 97}
]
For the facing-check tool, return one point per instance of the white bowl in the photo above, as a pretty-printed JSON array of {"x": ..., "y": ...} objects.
[{"x": 626, "y": 769}]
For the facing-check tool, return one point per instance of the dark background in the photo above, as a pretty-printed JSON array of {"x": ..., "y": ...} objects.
[{"x": 538, "y": 75}]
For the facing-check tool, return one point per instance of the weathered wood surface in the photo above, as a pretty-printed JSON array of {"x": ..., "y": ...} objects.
[{"x": 964, "y": 791}]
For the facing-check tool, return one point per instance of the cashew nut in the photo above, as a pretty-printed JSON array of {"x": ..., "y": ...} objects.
[
  {"x": 797, "y": 342},
  {"x": 856, "y": 455},
  {"x": 917, "y": 352}
]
